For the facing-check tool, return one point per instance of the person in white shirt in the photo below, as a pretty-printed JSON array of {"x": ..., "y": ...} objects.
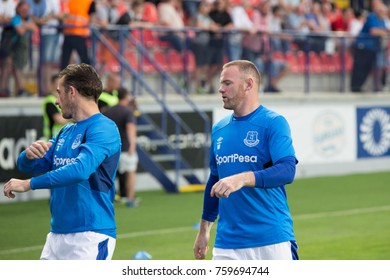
[
  {"x": 7, "y": 11},
  {"x": 170, "y": 17},
  {"x": 241, "y": 23},
  {"x": 356, "y": 23}
]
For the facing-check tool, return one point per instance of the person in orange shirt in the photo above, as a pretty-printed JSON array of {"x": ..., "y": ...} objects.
[{"x": 76, "y": 30}]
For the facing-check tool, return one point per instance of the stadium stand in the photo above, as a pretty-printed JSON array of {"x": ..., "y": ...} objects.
[{"x": 302, "y": 64}]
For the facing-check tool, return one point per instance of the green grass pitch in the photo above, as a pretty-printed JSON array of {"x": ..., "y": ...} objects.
[{"x": 335, "y": 218}]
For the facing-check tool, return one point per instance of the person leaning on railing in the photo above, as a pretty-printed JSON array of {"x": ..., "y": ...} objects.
[
  {"x": 14, "y": 49},
  {"x": 368, "y": 48}
]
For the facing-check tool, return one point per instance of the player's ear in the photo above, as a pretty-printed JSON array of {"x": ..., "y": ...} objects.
[
  {"x": 72, "y": 90},
  {"x": 248, "y": 84}
]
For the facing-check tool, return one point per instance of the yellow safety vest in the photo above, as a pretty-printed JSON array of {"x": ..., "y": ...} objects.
[
  {"x": 109, "y": 99},
  {"x": 47, "y": 132}
]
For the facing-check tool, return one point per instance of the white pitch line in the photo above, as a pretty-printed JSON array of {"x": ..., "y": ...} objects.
[
  {"x": 184, "y": 229},
  {"x": 342, "y": 213},
  {"x": 154, "y": 232},
  {"x": 19, "y": 250}
]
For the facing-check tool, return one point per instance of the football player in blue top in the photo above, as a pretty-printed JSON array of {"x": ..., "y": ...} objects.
[
  {"x": 78, "y": 165},
  {"x": 251, "y": 160}
]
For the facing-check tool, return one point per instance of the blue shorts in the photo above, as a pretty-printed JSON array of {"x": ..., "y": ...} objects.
[
  {"x": 50, "y": 50},
  {"x": 216, "y": 55},
  {"x": 381, "y": 59}
]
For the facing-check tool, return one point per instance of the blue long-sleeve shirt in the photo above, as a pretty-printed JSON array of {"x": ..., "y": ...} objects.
[
  {"x": 79, "y": 169},
  {"x": 260, "y": 216}
]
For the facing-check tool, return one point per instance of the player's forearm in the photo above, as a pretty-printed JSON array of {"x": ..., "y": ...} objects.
[
  {"x": 283, "y": 172},
  {"x": 205, "y": 227},
  {"x": 247, "y": 178},
  {"x": 31, "y": 166},
  {"x": 69, "y": 174},
  {"x": 210, "y": 204}
]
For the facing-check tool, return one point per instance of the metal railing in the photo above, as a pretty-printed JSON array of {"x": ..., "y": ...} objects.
[
  {"x": 125, "y": 36},
  {"x": 342, "y": 53}
]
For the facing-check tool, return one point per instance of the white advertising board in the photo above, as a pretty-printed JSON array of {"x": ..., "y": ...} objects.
[{"x": 321, "y": 133}]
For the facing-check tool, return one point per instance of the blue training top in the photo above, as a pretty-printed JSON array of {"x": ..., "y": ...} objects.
[
  {"x": 364, "y": 39},
  {"x": 251, "y": 217},
  {"x": 80, "y": 170}
]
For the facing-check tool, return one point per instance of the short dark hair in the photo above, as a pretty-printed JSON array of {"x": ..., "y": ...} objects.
[
  {"x": 84, "y": 78},
  {"x": 54, "y": 77},
  {"x": 122, "y": 93}
]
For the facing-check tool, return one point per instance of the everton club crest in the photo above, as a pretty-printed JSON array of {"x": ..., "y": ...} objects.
[
  {"x": 77, "y": 141},
  {"x": 251, "y": 139}
]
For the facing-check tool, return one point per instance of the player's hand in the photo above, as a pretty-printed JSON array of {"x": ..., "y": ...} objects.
[
  {"x": 16, "y": 185},
  {"x": 200, "y": 247},
  {"x": 225, "y": 186},
  {"x": 38, "y": 149},
  {"x": 228, "y": 185}
]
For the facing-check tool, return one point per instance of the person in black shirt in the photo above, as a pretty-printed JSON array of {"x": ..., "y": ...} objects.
[
  {"x": 124, "y": 118},
  {"x": 220, "y": 15}
]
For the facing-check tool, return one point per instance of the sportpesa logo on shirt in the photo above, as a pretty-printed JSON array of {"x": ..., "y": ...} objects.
[
  {"x": 233, "y": 158},
  {"x": 62, "y": 161}
]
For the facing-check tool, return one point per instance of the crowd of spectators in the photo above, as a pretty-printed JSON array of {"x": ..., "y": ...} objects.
[{"x": 221, "y": 30}]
